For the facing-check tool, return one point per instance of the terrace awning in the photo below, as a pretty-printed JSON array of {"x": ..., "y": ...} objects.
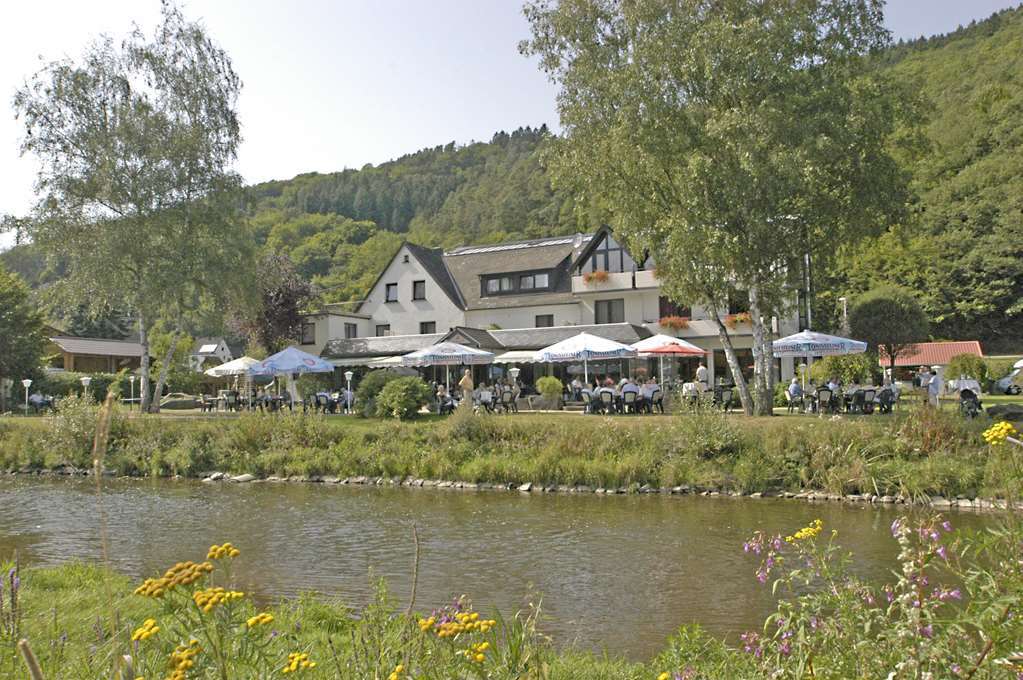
[{"x": 516, "y": 356}]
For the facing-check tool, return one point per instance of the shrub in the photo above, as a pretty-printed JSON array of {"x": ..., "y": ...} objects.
[
  {"x": 861, "y": 367},
  {"x": 969, "y": 365},
  {"x": 370, "y": 386},
  {"x": 550, "y": 388},
  {"x": 402, "y": 398}
]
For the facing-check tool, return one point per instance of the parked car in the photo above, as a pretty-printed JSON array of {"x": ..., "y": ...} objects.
[{"x": 177, "y": 401}]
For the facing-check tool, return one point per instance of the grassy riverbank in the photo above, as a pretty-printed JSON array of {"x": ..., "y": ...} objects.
[{"x": 914, "y": 454}]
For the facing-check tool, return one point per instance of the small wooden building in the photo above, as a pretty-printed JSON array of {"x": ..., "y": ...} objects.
[{"x": 94, "y": 355}]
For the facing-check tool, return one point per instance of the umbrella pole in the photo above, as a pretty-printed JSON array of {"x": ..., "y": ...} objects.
[
  {"x": 586, "y": 371},
  {"x": 447, "y": 380}
]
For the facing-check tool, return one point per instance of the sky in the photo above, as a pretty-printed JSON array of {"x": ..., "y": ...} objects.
[{"x": 334, "y": 84}]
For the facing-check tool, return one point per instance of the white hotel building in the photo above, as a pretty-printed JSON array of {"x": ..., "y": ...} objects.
[{"x": 514, "y": 298}]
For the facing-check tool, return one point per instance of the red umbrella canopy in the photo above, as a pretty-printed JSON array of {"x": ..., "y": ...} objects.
[{"x": 675, "y": 349}]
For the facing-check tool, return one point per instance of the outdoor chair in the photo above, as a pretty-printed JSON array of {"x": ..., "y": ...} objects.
[
  {"x": 588, "y": 405},
  {"x": 856, "y": 403},
  {"x": 629, "y": 404},
  {"x": 231, "y": 402},
  {"x": 657, "y": 401},
  {"x": 825, "y": 401},
  {"x": 790, "y": 402},
  {"x": 868, "y": 401},
  {"x": 607, "y": 402}
]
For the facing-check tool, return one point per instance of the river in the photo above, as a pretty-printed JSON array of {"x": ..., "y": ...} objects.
[{"x": 618, "y": 573}]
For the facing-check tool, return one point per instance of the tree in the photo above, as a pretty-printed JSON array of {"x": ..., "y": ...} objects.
[
  {"x": 136, "y": 195},
  {"x": 728, "y": 137},
  {"x": 21, "y": 333},
  {"x": 283, "y": 294},
  {"x": 890, "y": 320}
]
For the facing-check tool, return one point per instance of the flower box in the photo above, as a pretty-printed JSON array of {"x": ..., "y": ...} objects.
[
  {"x": 599, "y": 276},
  {"x": 675, "y": 323}
]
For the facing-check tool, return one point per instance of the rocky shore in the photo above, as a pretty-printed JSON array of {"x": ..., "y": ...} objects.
[{"x": 936, "y": 502}]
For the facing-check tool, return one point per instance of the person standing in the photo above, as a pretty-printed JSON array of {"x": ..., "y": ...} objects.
[
  {"x": 466, "y": 385},
  {"x": 701, "y": 377},
  {"x": 933, "y": 388}
]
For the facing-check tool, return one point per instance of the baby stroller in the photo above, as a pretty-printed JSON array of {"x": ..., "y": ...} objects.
[{"x": 969, "y": 404}]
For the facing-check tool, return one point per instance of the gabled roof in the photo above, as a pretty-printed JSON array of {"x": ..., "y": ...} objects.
[
  {"x": 467, "y": 264},
  {"x": 432, "y": 260},
  {"x": 97, "y": 346},
  {"x": 472, "y": 337},
  {"x": 207, "y": 346},
  {"x": 934, "y": 353}
]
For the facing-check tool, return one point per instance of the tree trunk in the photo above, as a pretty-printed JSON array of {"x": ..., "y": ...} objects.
[
  {"x": 761, "y": 354},
  {"x": 733, "y": 365},
  {"x": 3, "y": 396},
  {"x": 167, "y": 358},
  {"x": 144, "y": 396}
]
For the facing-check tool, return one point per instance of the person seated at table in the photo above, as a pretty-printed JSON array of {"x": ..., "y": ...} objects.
[
  {"x": 445, "y": 404},
  {"x": 647, "y": 392},
  {"x": 795, "y": 391},
  {"x": 609, "y": 388},
  {"x": 630, "y": 387},
  {"x": 577, "y": 389},
  {"x": 484, "y": 397},
  {"x": 834, "y": 384}
]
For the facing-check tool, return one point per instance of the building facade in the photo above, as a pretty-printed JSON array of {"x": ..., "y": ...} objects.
[{"x": 512, "y": 298}]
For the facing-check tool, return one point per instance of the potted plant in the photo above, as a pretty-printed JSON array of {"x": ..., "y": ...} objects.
[
  {"x": 599, "y": 276},
  {"x": 551, "y": 389},
  {"x": 733, "y": 320},
  {"x": 674, "y": 322}
]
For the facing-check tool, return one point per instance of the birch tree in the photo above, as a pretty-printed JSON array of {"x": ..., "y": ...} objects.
[
  {"x": 727, "y": 137},
  {"x": 136, "y": 195}
]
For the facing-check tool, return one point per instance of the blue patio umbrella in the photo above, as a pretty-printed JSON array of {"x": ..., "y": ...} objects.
[{"x": 289, "y": 361}]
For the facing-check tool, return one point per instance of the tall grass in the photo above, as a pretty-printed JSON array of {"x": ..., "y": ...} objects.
[{"x": 913, "y": 454}]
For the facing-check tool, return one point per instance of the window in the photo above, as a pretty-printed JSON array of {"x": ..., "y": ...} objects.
[
  {"x": 383, "y": 329},
  {"x": 610, "y": 311},
  {"x": 404, "y": 259},
  {"x": 544, "y": 320},
  {"x": 516, "y": 283},
  {"x": 611, "y": 257},
  {"x": 308, "y": 334},
  {"x": 391, "y": 292},
  {"x": 351, "y": 331},
  {"x": 419, "y": 290},
  {"x": 738, "y": 303},
  {"x": 668, "y": 307},
  {"x": 427, "y": 327}
]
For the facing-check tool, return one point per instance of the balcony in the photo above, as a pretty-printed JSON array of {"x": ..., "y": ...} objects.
[
  {"x": 614, "y": 281},
  {"x": 646, "y": 279}
]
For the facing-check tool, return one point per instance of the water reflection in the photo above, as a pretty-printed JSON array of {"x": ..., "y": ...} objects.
[{"x": 619, "y": 573}]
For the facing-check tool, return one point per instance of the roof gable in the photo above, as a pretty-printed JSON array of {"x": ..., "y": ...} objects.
[
  {"x": 432, "y": 262},
  {"x": 933, "y": 353}
]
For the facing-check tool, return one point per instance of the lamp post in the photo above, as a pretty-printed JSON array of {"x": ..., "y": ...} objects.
[
  {"x": 85, "y": 385},
  {"x": 131, "y": 402},
  {"x": 348, "y": 392},
  {"x": 845, "y": 314},
  {"x": 26, "y": 383},
  {"x": 514, "y": 373}
]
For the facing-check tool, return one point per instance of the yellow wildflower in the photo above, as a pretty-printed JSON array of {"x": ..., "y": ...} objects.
[
  {"x": 298, "y": 661},
  {"x": 396, "y": 673},
  {"x": 182, "y": 659},
  {"x": 181, "y": 574},
  {"x": 145, "y": 631},
  {"x": 806, "y": 532},
  {"x": 209, "y": 598},
  {"x": 219, "y": 552},
  {"x": 664, "y": 676},
  {"x": 999, "y": 432},
  {"x": 259, "y": 620}
]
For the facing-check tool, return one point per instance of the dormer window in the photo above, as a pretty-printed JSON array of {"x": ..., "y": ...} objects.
[{"x": 521, "y": 282}]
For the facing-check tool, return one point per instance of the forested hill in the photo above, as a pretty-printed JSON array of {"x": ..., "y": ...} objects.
[{"x": 962, "y": 252}]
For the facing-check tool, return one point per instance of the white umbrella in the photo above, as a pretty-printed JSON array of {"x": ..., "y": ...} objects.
[
  {"x": 447, "y": 354},
  {"x": 583, "y": 347},
  {"x": 239, "y": 366},
  {"x": 660, "y": 340},
  {"x": 809, "y": 344}
]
